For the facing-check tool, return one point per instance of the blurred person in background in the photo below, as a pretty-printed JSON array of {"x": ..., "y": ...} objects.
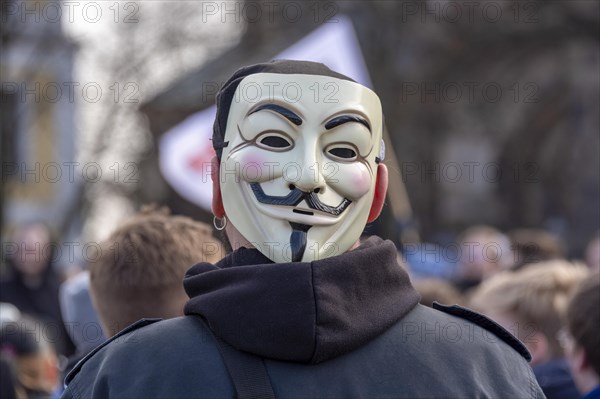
[
  {"x": 80, "y": 317},
  {"x": 581, "y": 336},
  {"x": 142, "y": 265},
  {"x": 137, "y": 275},
  {"x": 32, "y": 363},
  {"x": 8, "y": 376},
  {"x": 8, "y": 379},
  {"x": 530, "y": 304},
  {"x": 31, "y": 282},
  {"x": 592, "y": 254},
  {"x": 485, "y": 251},
  {"x": 428, "y": 260},
  {"x": 535, "y": 245},
  {"x": 432, "y": 289}
]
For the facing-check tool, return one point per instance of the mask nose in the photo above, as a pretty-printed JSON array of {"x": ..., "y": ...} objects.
[
  {"x": 310, "y": 178},
  {"x": 292, "y": 187}
]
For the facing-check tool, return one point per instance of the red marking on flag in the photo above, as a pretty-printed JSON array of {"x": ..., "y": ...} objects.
[{"x": 198, "y": 161}]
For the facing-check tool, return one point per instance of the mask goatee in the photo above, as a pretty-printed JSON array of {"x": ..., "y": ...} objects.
[{"x": 298, "y": 240}]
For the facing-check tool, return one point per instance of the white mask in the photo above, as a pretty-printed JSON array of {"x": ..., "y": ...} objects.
[{"x": 298, "y": 172}]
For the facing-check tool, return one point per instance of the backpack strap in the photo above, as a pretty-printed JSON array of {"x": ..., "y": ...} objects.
[{"x": 248, "y": 372}]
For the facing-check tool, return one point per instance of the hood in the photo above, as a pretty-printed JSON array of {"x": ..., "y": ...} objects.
[{"x": 305, "y": 312}]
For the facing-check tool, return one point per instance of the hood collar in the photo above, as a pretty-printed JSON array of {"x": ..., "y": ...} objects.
[{"x": 305, "y": 312}]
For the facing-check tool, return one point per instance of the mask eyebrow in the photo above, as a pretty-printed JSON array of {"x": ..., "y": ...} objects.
[
  {"x": 286, "y": 113},
  {"x": 340, "y": 120}
]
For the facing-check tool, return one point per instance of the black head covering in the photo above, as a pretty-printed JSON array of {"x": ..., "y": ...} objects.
[{"x": 225, "y": 95}]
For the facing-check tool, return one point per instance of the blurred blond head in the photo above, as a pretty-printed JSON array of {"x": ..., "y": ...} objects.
[{"x": 530, "y": 303}]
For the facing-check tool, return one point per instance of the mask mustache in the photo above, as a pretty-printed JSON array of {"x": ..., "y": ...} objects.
[{"x": 295, "y": 197}]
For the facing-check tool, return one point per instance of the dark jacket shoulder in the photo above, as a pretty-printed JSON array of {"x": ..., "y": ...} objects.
[
  {"x": 135, "y": 326},
  {"x": 429, "y": 353},
  {"x": 153, "y": 358},
  {"x": 486, "y": 323},
  {"x": 446, "y": 355}
]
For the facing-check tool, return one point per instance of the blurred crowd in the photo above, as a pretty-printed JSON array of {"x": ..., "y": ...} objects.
[
  {"x": 523, "y": 281},
  {"x": 51, "y": 320},
  {"x": 520, "y": 279}
]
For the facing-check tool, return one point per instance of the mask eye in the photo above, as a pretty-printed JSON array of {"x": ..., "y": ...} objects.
[
  {"x": 274, "y": 142},
  {"x": 342, "y": 152}
]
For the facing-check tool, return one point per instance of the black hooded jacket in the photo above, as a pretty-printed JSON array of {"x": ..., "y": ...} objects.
[{"x": 348, "y": 326}]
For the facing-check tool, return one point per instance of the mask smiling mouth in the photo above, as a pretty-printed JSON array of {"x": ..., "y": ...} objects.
[
  {"x": 295, "y": 197},
  {"x": 300, "y": 211}
]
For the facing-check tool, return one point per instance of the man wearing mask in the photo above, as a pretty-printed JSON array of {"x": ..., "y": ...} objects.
[{"x": 300, "y": 308}]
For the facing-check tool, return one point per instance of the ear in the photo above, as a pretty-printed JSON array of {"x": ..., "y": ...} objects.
[
  {"x": 578, "y": 359},
  {"x": 381, "y": 185},
  {"x": 217, "y": 201},
  {"x": 539, "y": 347}
]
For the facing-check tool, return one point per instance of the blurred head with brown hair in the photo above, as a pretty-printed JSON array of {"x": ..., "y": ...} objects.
[
  {"x": 535, "y": 245},
  {"x": 583, "y": 334},
  {"x": 31, "y": 259},
  {"x": 140, "y": 271},
  {"x": 436, "y": 290},
  {"x": 592, "y": 253}
]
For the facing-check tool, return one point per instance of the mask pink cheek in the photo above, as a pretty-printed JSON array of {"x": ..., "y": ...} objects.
[{"x": 361, "y": 183}]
